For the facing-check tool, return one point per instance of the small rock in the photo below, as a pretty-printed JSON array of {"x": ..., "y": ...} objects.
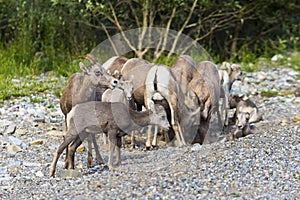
[
  {"x": 36, "y": 142},
  {"x": 55, "y": 133},
  {"x": 13, "y": 149},
  {"x": 39, "y": 174},
  {"x": 81, "y": 148},
  {"x": 196, "y": 147},
  {"x": 10, "y": 129},
  {"x": 15, "y": 141},
  {"x": 39, "y": 119},
  {"x": 53, "y": 120},
  {"x": 296, "y": 118},
  {"x": 284, "y": 122},
  {"x": 21, "y": 132},
  {"x": 277, "y": 57}
]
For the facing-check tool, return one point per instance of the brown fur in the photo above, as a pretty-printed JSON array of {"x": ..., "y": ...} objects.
[
  {"x": 115, "y": 119},
  {"x": 206, "y": 86}
]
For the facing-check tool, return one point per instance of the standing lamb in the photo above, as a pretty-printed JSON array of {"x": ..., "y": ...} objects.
[
  {"x": 121, "y": 93},
  {"x": 115, "y": 119}
]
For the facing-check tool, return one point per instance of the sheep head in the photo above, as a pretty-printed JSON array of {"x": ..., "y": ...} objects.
[{"x": 97, "y": 73}]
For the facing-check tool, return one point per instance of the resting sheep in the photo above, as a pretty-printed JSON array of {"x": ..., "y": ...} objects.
[
  {"x": 243, "y": 126},
  {"x": 244, "y": 104},
  {"x": 115, "y": 119}
]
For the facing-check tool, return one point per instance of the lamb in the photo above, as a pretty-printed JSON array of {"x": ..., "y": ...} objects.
[
  {"x": 115, "y": 119},
  {"x": 86, "y": 86},
  {"x": 244, "y": 104},
  {"x": 227, "y": 78},
  {"x": 206, "y": 86},
  {"x": 137, "y": 70},
  {"x": 123, "y": 94},
  {"x": 243, "y": 126}
]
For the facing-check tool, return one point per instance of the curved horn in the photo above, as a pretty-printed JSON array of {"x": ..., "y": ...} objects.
[{"x": 92, "y": 59}]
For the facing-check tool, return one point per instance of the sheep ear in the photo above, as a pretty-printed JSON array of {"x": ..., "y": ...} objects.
[{"x": 84, "y": 68}]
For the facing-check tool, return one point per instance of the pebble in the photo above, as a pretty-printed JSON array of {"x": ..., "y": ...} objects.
[
  {"x": 36, "y": 142},
  {"x": 12, "y": 149},
  {"x": 262, "y": 166},
  {"x": 10, "y": 129}
]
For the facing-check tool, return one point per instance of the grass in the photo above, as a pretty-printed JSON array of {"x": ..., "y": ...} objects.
[
  {"x": 235, "y": 195},
  {"x": 28, "y": 85},
  {"x": 291, "y": 60}
]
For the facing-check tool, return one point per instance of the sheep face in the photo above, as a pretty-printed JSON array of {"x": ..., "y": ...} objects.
[
  {"x": 159, "y": 117},
  {"x": 97, "y": 75},
  {"x": 127, "y": 87},
  {"x": 236, "y": 71},
  {"x": 242, "y": 119}
]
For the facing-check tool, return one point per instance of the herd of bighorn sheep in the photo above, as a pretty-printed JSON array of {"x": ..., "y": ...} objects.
[{"x": 123, "y": 96}]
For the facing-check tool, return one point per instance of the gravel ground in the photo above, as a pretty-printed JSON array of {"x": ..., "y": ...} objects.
[{"x": 266, "y": 165}]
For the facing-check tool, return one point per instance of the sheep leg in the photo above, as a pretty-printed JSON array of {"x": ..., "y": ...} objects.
[
  {"x": 118, "y": 151},
  {"x": 132, "y": 139},
  {"x": 112, "y": 144},
  {"x": 149, "y": 134},
  {"x": 175, "y": 124},
  {"x": 154, "y": 141},
  {"x": 72, "y": 149},
  {"x": 226, "y": 105},
  {"x": 68, "y": 139},
  {"x": 98, "y": 155},
  {"x": 219, "y": 119},
  {"x": 90, "y": 155},
  {"x": 68, "y": 158}
]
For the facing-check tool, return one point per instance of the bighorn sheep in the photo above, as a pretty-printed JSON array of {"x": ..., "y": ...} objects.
[
  {"x": 115, "y": 119},
  {"x": 183, "y": 69},
  {"x": 86, "y": 86},
  {"x": 137, "y": 70},
  {"x": 206, "y": 86},
  {"x": 243, "y": 126},
  {"x": 161, "y": 83},
  {"x": 243, "y": 104},
  {"x": 227, "y": 78},
  {"x": 114, "y": 66},
  {"x": 123, "y": 94}
]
